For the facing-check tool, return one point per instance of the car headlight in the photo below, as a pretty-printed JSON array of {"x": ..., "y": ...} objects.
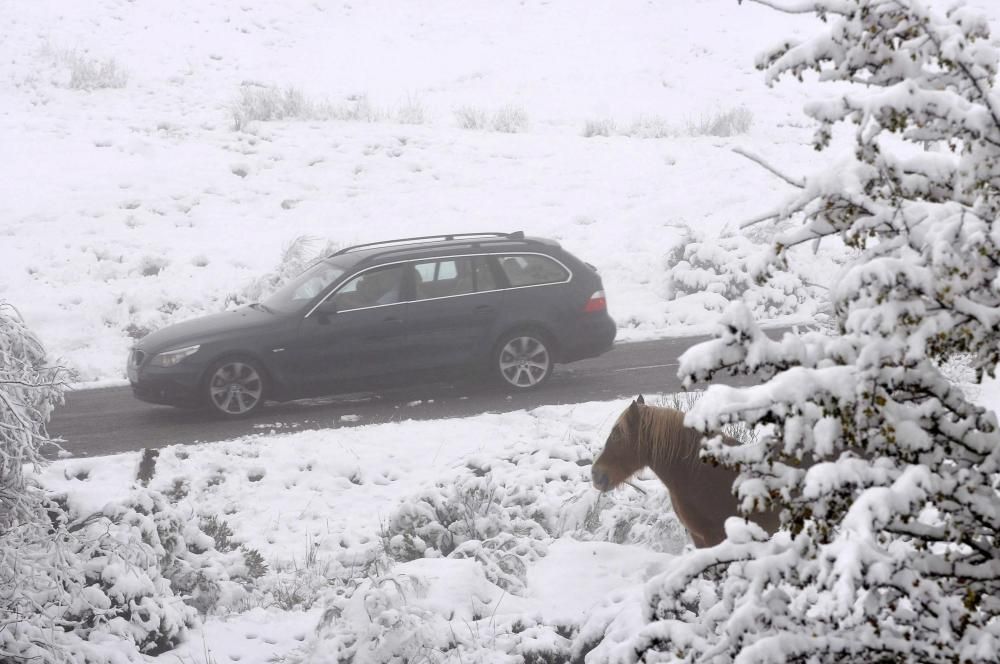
[{"x": 172, "y": 357}]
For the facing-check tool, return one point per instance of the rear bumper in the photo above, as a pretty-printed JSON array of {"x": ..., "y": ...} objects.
[{"x": 593, "y": 335}]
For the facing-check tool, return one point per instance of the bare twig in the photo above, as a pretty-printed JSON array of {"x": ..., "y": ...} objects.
[
  {"x": 757, "y": 159},
  {"x": 801, "y": 7}
]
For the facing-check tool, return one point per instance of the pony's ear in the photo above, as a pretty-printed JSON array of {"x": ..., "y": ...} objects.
[
  {"x": 633, "y": 412},
  {"x": 639, "y": 400}
]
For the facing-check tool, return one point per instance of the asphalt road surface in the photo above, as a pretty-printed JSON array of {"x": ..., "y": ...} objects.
[{"x": 110, "y": 420}]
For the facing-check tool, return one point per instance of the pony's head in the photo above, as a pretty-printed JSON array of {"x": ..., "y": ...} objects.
[{"x": 623, "y": 454}]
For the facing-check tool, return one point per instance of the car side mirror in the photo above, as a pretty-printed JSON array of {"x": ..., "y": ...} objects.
[{"x": 326, "y": 309}]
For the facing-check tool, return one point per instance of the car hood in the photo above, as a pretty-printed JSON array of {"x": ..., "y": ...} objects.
[{"x": 227, "y": 324}]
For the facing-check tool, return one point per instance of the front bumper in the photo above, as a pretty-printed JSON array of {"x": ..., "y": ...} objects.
[{"x": 174, "y": 386}]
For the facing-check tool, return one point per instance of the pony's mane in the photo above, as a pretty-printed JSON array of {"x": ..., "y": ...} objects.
[{"x": 662, "y": 436}]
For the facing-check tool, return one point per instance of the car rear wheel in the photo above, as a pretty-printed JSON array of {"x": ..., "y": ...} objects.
[
  {"x": 523, "y": 360},
  {"x": 235, "y": 387}
]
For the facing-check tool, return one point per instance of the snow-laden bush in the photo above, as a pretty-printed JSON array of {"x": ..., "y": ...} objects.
[
  {"x": 100, "y": 587},
  {"x": 472, "y": 518},
  {"x": 142, "y": 568},
  {"x": 599, "y": 127},
  {"x": 471, "y": 117},
  {"x": 504, "y": 512},
  {"x": 119, "y": 588},
  {"x": 32, "y": 571},
  {"x": 722, "y": 268},
  {"x": 256, "y": 102},
  {"x": 887, "y": 476},
  {"x": 411, "y": 111},
  {"x": 88, "y": 73},
  {"x": 68, "y": 585},
  {"x": 642, "y": 126},
  {"x": 431, "y": 610},
  {"x": 509, "y": 119},
  {"x": 723, "y": 123}
]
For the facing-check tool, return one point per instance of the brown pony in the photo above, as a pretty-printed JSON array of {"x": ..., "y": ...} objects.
[{"x": 702, "y": 494}]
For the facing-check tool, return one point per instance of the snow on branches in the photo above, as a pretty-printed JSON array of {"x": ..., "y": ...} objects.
[
  {"x": 888, "y": 478},
  {"x": 719, "y": 272},
  {"x": 88, "y": 587},
  {"x": 28, "y": 392}
]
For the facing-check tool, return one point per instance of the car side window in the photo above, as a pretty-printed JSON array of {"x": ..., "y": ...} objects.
[
  {"x": 443, "y": 278},
  {"x": 485, "y": 279},
  {"x": 532, "y": 270},
  {"x": 371, "y": 288}
]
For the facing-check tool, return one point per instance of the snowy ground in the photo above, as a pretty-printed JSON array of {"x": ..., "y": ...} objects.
[
  {"x": 318, "y": 506},
  {"x": 351, "y": 521},
  {"x": 123, "y": 208},
  {"x": 129, "y": 199}
]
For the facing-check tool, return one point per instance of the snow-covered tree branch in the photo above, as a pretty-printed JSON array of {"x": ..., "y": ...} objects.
[{"x": 887, "y": 476}]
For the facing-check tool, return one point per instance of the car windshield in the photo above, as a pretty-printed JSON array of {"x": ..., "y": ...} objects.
[{"x": 304, "y": 287}]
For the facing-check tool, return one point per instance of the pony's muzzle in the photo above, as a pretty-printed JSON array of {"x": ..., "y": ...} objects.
[{"x": 600, "y": 479}]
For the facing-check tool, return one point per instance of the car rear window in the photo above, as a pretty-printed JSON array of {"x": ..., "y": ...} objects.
[{"x": 532, "y": 270}]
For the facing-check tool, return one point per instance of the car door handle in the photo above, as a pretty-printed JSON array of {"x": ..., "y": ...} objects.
[
  {"x": 485, "y": 310},
  {"x": 392, "y": 320}
]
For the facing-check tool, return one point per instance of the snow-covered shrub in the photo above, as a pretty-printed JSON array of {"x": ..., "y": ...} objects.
[
  {"x": 633, "y": 516},
  {"x": 471, "y": 117},
  {"x": 256, "y": 102},
  {"x": 299, "y": 584},
  {"x": 643, "y": 126},
  {"x": 87, "y": 73},
  {"x": 887, "y": 476},
  {"x": 411, "y": 111},
  {"x": 120, "y": 588},
  {"x": 259, "y": 103},
  {"x": 69, "y": 584},
  {"x": 29, "y": 390},
  {"x": 473, "y": 517},
  {"x": 599, "y": 127},
  {"x": 30, "y": 569},
  {"x": 649, "y": 126},
  {"x": 731, "y": 122},
  {"x": 431, "y": 611},
  {"x": 504, "y": 512},
  {"x": 723, "y": 269},
  {"x": 165, "y": 542},
  {"x": 509, "y": 119}
]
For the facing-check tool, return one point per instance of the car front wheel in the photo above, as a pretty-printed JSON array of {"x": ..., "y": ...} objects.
[
  {"x": 523, "y": 360},
  {"x": 235, "y": 387}
]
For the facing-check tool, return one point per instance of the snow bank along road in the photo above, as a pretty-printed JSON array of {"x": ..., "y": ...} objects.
[{"x": 109, "y": 421}]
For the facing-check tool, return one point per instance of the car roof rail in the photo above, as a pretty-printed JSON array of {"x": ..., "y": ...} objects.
[{"x": 516, "y": 235}]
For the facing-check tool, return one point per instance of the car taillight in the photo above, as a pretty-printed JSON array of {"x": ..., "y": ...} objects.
[{"x": 597, "y": 302}]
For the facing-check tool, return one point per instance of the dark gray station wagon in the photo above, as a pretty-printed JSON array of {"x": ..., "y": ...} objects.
[{"x": 382, "y": 314}]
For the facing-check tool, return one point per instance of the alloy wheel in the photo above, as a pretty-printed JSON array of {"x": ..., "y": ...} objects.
[
  {"x": 236, "y": 388},
  {"x": 524, "y": 362}
]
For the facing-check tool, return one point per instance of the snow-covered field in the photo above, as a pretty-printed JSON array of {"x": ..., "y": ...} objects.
[
  {"x": 137, "y": 189},
  {"x": 128, "y": 198},
  {"x": 342, "y": 515}
]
